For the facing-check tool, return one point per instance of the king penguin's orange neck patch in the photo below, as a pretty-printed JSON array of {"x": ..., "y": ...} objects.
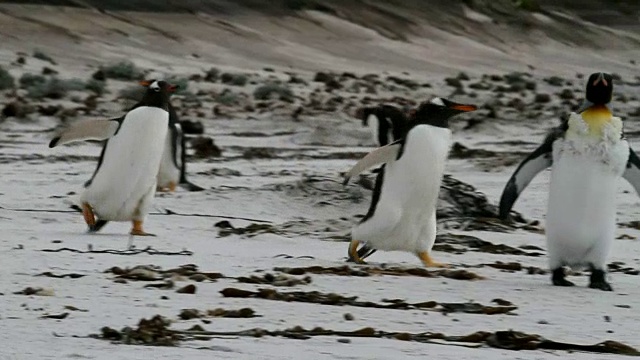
[{"x": 596, "y": 117}]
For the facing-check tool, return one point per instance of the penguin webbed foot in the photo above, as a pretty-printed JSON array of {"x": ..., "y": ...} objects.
[
  {"x": 99, "y": 224},
  {"x": 353, "y": 253},
  {"x": 558, "y": 278},
  {"x": 428, "y": 261},
  {"x": 137, "y": 230},
  {"x": 598, "y": 281}
]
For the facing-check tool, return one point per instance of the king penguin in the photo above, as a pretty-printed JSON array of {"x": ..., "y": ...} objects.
[
  {"x": 387, "y": 123},
  {"x": 587, "y": 154},
  {"x": 402, "y": 214},
  {"x": 173, "y": 166},
  {"x": 124, "y": 183}
]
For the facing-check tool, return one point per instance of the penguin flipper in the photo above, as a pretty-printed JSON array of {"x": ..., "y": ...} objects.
[
  {"x": 87, "y": 130},
  {"x": 540, "y": 159},
  {"x": 381, "y": 155},
  {"x": 632, "y": 172}
]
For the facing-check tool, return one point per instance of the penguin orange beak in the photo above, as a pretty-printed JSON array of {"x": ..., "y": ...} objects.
[
  {"x": 463, "y": 107},
  {"x": 173, "y": 88},
  {"x": 144, "y": 83}
]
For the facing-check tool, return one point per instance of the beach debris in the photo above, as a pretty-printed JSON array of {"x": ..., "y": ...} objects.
[{"x": 334, "y": 299}]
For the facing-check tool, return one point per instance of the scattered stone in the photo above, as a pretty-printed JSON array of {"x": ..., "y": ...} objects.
[
  {"x": 55, "y": 316},
  {"x": 188, "y": 314},
  {"x": 566, "y": 94},
  {"x": 542, "y": 98},
  {"x": 502, "y": 302},
  {"x": 554, "y": 81},
  {"x": 453, "y": 82},
  {"x": 348, "y": 317},
  {"x": 316, "y": 297},
  {"x": 205, "y": 147},
  {"x": 188, "y": 289},
  {"x": 154, "y": 331},
  {"x": 236, "y": 314},
  {"x": 226, "y": 229},
  {"x": 192, "y": 127},
  {"x": 258, "y": 153},
  {"x": 275, "y": 280},
  {"x": 35, "y": 291},
  {"x": 49, "y": 71},
  {"x": 61, "y": 276}
]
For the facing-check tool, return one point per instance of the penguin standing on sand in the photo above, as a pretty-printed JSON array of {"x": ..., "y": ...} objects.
[
  {"x": 402, "y": 215},
  {"x": 124, "y": 183},
  {"x": 588, "y": 153},
  {"x": 387, "y": 123},
  {"x": 173, "y": 166}
]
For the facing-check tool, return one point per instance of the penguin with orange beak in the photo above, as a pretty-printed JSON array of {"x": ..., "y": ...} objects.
[
  {"x": 124, "y": 182},
  {"x": 402, "y": 214}
]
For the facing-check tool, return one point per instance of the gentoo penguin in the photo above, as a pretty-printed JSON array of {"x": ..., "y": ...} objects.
[
  {"x": 587, "y": 153},
  {"x": 173, "y": 170},
  {"x": 387, "y": 123},
  {"x": 124, "y": 183},
  {"x": 402, "y": 215}
]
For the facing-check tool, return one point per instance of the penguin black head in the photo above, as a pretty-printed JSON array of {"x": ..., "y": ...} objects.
[
  {"x": 599, "y": 90},
  {"x": 157, "y": 94},
  {"x": 437, "y": 111}
]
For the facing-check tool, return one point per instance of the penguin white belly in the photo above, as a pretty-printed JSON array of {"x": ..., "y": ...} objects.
[
  {"x": 581, "y": 215},
  {"x": 126, "y": 179},
  {"x": 168, "y": 171},
  {"x": 404, "y": 217}
]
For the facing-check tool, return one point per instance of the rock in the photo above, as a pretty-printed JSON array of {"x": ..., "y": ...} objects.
[
  {"x": 188, "y": 314},
  {"x": 453, "y": 82},
  {"x": 566, "y": 94},
  {"x": 49, "y": 71},
  {"x": 348, "y": 317},
  {"x": 517, "y": 104},
  {"x": 333, "y": 84},
  {"x": 542, "y": 98},
  {"x": 480, "y": 85},
  {"x": 212, "y": 75},
  {"x": 554, "y": 81},
  {"x": 49, "y": 110},
  {"x": 189, "y": 289},
  {"x": 99, "y": 75},
  {"x": 463, "y": 76},
  {"x": 14, "y": 109},
  {"x": 205, "y": 147},
  {"x": 192, "y": 127},
  {"x": 323, "y": 77}
]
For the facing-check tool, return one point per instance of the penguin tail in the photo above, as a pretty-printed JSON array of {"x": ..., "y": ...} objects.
[
  {"x": 189, "y": 186},
  {"x": 54, "y": 141},
  {"x": 97, "y": 226}
]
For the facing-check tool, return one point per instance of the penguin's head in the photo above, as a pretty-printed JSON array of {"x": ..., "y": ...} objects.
[
  {"x": 599, "y": 90},
  {"x": 157, "y": 93},
  {"x": 158, "y": 86},
  {"x": 437, "y": 112}
]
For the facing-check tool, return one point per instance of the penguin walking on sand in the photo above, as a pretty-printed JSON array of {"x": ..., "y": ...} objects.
[
  {"x": 173, "y": 166},
  {"x": 588, "y": 154},
  {"x": 387, "y": 123},
  {"x": 402, "y": 214},
  {"x": 124, "y": 183}
]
